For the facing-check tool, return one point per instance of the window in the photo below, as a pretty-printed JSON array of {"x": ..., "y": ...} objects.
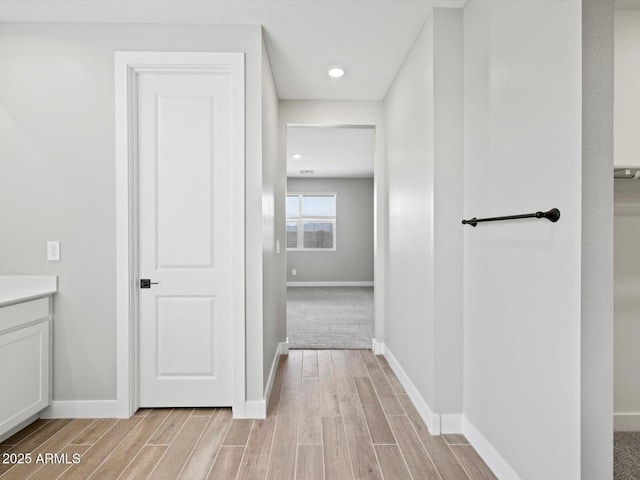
[{"x": 311, "y": 221}]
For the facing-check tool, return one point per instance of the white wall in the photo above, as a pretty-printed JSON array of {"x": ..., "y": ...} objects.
[
  {"x": 627, "y": 304},
  {"x": 273, "y": 190},
  {"x": 627, "y": 88},
  {"x": 338, "y": 112},
  {"x": 423, "y": 120},
  {"x": 57, "y": 152},
  {"x": 448, "y": 203},
  {"x": 535, "y": 293},
  {"x": 522, "y": 154},
  {"x": 409, "y": 331},
  {"x": 352, "y": 260}
]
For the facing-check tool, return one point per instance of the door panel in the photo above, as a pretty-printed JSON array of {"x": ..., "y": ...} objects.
[
  {"x": 186, "y": 238},
  {"x": 185, "y": 181},
  {"x": 186, "y": 321}
]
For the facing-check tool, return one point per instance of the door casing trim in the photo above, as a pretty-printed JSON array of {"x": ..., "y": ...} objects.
[{"x": 128, "y": 65}]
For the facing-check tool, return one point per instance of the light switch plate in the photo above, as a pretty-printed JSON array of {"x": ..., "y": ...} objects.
[{"x": 53, "y": 250}]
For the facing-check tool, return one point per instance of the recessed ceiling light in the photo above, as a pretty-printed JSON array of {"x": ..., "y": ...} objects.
[
  {"x": 336, "y": 71},
  {"x": 297, "y": 156}
]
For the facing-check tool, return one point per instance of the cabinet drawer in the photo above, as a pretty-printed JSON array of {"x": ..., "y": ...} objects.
[{"x": 14, "y": 316}]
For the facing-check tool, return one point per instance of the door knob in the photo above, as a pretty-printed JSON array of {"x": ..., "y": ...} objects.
[{"x": 146, "y": 283}]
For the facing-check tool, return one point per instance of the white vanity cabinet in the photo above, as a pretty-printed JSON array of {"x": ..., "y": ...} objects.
[{"x": 25, "y": 357}]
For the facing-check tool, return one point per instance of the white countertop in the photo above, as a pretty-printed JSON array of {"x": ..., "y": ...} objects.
[{"x": 21, "y": 288}]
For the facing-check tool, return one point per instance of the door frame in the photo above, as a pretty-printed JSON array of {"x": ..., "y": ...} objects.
[
  {"x": 379, "y": 192},
  {"x": 128, "y": 65}
]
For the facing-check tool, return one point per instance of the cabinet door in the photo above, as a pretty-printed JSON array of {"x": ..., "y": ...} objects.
[{"x": 24, "y": 374}]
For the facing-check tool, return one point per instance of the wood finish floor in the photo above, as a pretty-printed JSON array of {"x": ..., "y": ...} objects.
[{"x": 339, "y": 414}]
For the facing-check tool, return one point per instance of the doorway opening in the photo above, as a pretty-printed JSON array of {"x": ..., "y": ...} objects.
[
  {"x": 330, "y": 228},
  {"x": 626, "y": 231}
]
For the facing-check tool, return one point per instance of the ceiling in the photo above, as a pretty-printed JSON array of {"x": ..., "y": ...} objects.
[
  {"x": 344, "y": 152},
  {"x": 370, "y": 38}
]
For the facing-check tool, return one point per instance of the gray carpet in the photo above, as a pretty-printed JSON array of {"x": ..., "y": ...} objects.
[
  {"x": 330, "y": 317},
  {"x": 626, "y": 455}
]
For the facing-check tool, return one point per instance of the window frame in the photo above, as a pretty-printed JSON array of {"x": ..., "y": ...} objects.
[{"x": 301, "y": 220}]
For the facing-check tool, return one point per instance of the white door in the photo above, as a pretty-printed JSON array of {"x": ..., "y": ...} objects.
[{"x": 185, "y": 182}]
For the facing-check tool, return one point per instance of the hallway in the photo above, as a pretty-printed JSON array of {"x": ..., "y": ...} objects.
[{"x": 333, "y": 414}]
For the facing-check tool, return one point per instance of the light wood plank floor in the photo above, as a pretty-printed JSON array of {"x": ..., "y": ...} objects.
[{"x": 332, "y": 415}]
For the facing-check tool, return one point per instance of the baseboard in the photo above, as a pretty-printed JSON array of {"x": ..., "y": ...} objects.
[
  {"x": 255, "y": 409},
  {"x": 430, "y": 418},
  {"x": 258, "y": 408},
  {"x": 109, "y": 408},
  {"x": 283, "y": 349},
  {"x": 489, "y": 454},
  {"x": 272, "y": 375},
  {"x": 330, "y": 284},
  {"x": 377, "y": 347},
  {"x": 451, "y": 423},
  {"x": 82, "y": 409},
  {"x": 626, "y": 422}
]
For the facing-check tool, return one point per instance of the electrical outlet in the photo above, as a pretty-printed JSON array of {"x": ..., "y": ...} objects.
[
  {"x": 293, "y": 272},
  {"x": 53, "y": 250}
]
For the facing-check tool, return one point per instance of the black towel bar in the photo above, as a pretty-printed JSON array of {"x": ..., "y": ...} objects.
[{"x": 552, "y": 215}]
